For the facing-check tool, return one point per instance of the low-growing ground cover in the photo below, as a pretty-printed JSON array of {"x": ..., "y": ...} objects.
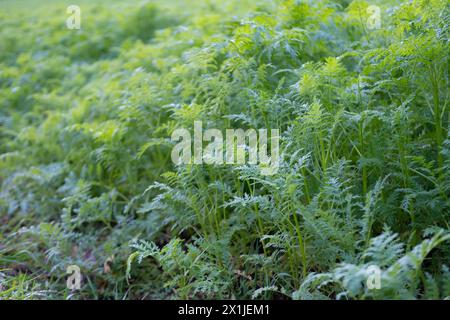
[{"x": 358, "y": 91}]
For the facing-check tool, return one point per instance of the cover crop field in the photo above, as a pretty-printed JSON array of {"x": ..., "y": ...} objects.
[{"x": 233, "y": 149}]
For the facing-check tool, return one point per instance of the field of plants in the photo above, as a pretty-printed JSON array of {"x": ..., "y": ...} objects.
[{"x": 359, "y": 207}]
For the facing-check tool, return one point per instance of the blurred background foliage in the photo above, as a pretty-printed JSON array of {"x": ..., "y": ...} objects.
[{"x": 85, "y": 170}]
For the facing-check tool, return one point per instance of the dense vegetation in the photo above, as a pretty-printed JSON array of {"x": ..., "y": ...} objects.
[{"x": 87, "y": 179}]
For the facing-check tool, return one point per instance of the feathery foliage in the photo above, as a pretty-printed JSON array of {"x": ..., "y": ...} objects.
[{"x": 87, "y": 179}]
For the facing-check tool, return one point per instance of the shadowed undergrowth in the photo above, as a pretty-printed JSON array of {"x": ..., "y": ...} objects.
[{"x": 87, "y": 179}]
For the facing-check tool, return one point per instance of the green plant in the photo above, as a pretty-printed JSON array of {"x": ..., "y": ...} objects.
[{"x": 87, "y": 179}]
